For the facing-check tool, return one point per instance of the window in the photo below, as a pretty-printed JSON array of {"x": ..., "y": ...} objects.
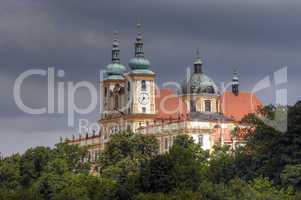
[
  {"x": 143, "y": 85},
  {"x": 143, "y": 109},
  {"x": 210, "y": 90},
  {"x": 106, "y": 91},
  {"x": 200, "y": 140},
  {"x": 166, "y": 144},
  {"x": 192, "y": 106},
  {"x": 207, "y": 106},
  {"x": 116, "y": 102},
  {"x": 128, "y": 127},
  {"x": 129, "y": 86}
]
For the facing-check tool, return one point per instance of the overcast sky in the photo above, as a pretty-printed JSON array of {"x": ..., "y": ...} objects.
[{"x": 258, "y": 37}]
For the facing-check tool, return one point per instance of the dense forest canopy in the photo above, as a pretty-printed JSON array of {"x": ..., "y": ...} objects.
[{"x": 268, "y": 167}]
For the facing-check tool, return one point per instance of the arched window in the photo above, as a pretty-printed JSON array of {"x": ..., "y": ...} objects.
[{"x": 143, "y": 85}]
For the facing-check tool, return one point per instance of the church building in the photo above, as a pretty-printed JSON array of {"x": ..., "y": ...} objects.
[{"x": 131, "y": 101}]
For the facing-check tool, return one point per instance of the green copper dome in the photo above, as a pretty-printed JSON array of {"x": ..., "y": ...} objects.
[
  {"x": 139, "y": 63},
  {"x": 115, "y": 70}
]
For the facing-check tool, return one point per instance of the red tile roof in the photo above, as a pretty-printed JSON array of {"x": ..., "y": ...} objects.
[
  {"x": 237, "y": 107},
  {"x": 169, "y": 105}
]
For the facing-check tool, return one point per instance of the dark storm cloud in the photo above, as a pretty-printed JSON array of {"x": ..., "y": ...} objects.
[
  {"x": 76, "y": 33},
  {"x": 259, "y": 37}
]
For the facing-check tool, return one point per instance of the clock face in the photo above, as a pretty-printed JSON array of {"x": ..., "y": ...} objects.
[{"x": 143, "y": 98}]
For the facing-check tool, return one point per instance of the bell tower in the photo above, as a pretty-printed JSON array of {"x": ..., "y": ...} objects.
[
  {"x": 112, "y": 85},
  {"x": 141, "y": 81}
]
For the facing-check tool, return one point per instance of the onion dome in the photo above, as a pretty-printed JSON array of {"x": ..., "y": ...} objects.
[
  {"x": 139, "y": 64},
  {"x": 198, "y": 82},
  {"x": 115, "y": 70}
]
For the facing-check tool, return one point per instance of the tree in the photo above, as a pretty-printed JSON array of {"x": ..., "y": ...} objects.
[
  {"x": 123, "y": 157},
  {"x": 128, "y": 145},
  {"x": 291, "y": 176},
  {"x": 180, "y": 168},
  {"x": 222, "y": 168},
  {"x": 32, "y": 164},
  {"x": 10, "y": 173},
  {"x": 268, "y": 150},
  {"x": 74, "y": 156}
]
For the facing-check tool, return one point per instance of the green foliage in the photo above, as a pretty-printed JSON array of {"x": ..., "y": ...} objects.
[
  {"x": 180, "y": 168},
  {"x": 177, "y": 195},
  {"x": 73, "y": 155},
  {"x": 268, "y": 167},
  {"x": 268, "y": 150},
  {"x": 58, "y": 166},
  {"x": 156, "y": 175},
  {"x": 32, "y": 164},
  {"x": 123, "y": 157},
  {"x": 222, "y": 168},
  {"x": 187, "y": 142},
  {"x": 291, "y": 176},
  {"x": 128, "y": 146},
  {"x": 9, "y": 173}
]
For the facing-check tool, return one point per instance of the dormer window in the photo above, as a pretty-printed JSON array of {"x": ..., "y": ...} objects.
[
  {"x": 143, "y": 85},
  {"x": 210, "y": 89}
]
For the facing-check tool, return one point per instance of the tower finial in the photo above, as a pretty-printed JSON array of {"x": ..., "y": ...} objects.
[
  {"x": 139, "y": 43},
  {"x": 235, "y": 82},
  {"x": 115, "y": 50},
  {"x": 139, "y": 34},
  {"x": 198, "y": 63},
  {"x": 198, "y": 57}
]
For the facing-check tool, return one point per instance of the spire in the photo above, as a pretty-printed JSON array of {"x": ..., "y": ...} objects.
[
  {"x": 139, "y": 43},
  {"x": 198, "y": 63},
  {"x": 115, "y": 49},
  {"x": 235, "y": 83}
]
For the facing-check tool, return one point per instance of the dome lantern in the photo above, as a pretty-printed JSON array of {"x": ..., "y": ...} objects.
[
  {"x": 115, "y": 70},
  {"x": 235, "y": 83},
  {"x": 198, "y": 63},
  {"x": 198, "y": 82},
  {"x": 139, "y": 64}
]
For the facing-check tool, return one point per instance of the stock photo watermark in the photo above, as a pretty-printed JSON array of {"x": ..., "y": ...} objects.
[{"x": 63, "y": 94}]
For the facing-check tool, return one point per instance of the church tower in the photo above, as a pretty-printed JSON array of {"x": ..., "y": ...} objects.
[
  {"x": 112, "y": 85},
  {"x": 140, "y": 86}
]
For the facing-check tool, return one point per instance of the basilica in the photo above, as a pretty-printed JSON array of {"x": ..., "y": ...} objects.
[{"x": 131, "y": 101}]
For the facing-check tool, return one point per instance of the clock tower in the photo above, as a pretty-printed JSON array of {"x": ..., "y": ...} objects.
[{"x": 140, "y": 86}]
